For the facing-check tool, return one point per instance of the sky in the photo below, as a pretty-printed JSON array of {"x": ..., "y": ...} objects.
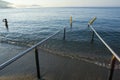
[
  {"x": 4, "y": 4},
  {"x": 67, "y": 3}
]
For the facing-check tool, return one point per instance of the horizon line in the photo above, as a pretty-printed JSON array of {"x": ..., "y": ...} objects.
[{"x": 65, "y": 7}]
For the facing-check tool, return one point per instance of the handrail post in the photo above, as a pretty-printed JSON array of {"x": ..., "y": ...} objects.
[
  {"x": 6, "y": 24},
  {"x": 90, "y": 23},
  {"x": 92, "y": 40},
  {"x": 64, "y": 35},
  {"x": 70, "y": 21},
  {"x": 37, "y": 63},
  {"x": 113, "y": 60}
]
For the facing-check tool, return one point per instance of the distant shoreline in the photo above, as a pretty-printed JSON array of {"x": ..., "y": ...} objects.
[{"x": 53, "y": 7}]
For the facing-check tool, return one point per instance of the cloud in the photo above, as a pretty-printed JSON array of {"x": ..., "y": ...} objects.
[
  {"x": 26, "y": 6},
  {"x": 4, "y": 4}
]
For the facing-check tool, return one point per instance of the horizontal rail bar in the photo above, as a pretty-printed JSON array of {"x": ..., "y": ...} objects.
[
  {"x": 109, "y": 48},
  {"x": 3, "y": 65}
]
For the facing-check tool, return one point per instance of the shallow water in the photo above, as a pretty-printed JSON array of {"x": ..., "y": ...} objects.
[{"x": 29, "y": 26}]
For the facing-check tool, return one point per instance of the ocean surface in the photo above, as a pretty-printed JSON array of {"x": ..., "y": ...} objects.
[{"x": 31, "y": 25}]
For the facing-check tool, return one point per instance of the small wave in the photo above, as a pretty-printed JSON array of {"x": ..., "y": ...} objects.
[{"x": 91, "y": 60}]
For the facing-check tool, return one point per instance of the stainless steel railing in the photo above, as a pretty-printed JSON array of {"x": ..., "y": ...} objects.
[
  {"x": 114, "y": 57},
  {"x": 108, "y": 47},
  {"x": 7, "y": 63},
  {"x": 113, "y": 60}
]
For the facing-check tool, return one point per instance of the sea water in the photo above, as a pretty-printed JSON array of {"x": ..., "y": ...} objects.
[{"x": 27, "y": 26}]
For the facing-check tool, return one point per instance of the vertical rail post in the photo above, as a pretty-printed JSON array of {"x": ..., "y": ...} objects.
[
  {"x": 90, "y": 23},
  {"x": 37, "y": 63},
  {"x": 113, "y": 60},
  {"x": 92, "y": 40},
  {"x": 70, "y": 21},
  {"x": 6, "y": 24},
  {"x": 64, "y": 35}
]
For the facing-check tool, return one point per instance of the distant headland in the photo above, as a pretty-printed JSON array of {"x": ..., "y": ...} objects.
[{"x": 4, "y": 4}]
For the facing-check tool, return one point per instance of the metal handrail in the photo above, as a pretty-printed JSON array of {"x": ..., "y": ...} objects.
[
  {"x": 3, "y": 65},
  {"x": 108, "y": 47},
  {"x": 114, "y": 55},
  {"x": 113, "y": 60}
]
